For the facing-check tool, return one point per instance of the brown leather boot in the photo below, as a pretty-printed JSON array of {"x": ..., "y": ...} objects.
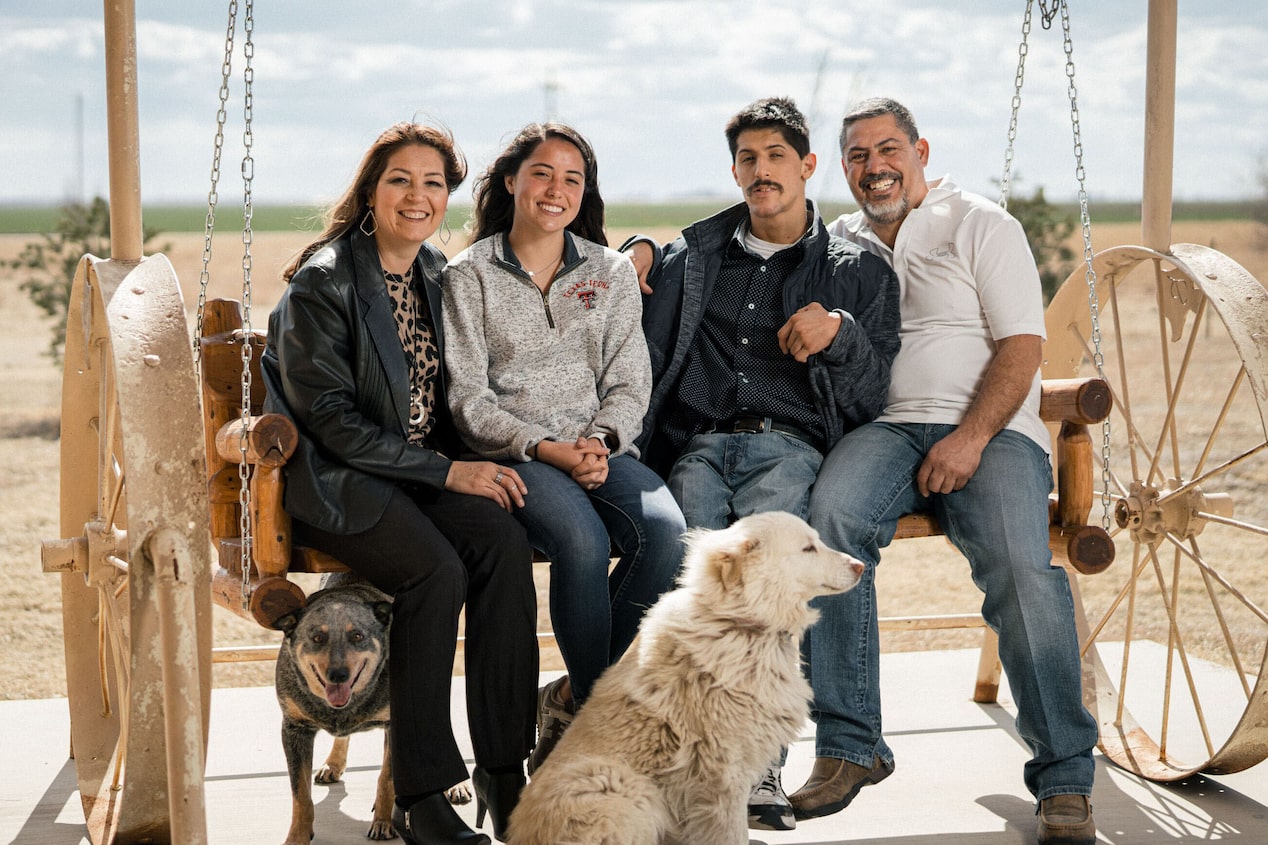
[
  {"x": 1066, "y": 820},
  {"x": 832, "y": 785}
]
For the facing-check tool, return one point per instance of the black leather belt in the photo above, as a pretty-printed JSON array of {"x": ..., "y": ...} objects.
[{"x": 760, "y": 425}]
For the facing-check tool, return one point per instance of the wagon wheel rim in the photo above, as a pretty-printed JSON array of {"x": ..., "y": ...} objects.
[
  {"x": 127, "y": 364},
  {"x": 1189, "y": 457}
]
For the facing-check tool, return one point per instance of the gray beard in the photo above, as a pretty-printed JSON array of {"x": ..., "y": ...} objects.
[{"x": 887, "y": 212}]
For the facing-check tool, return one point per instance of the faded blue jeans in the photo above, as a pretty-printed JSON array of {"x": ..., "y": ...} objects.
[
  {"x": 999, "y": 520},
  {"x": 596, "y": 615},
  {"x": 720, "y": 478}
]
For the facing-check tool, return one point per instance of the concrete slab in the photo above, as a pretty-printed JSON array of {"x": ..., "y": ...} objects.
[{"x": 957, "y": 782}]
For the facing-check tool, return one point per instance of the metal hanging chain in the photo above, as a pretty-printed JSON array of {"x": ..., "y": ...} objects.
[
  {"x": 248, "y": 174},
  {"x": 1090, "y": 273},
  {"x": 213, "y": 195},
  {"x": 1047, "y": 14},
  {"x": 1046, "y": 17},
  {"x": 1023, "y": 47}
]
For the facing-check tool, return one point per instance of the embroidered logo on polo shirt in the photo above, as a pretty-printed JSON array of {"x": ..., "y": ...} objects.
[
  {"x": 946, "y": 250},
  {"x": 586, "y": 292}
]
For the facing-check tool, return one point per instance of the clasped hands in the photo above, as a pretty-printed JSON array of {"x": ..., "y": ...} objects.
[{"x": 585, "y": 460}]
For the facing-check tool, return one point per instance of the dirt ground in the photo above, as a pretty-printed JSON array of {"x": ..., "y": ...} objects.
[{"x": 919, "y": 576}]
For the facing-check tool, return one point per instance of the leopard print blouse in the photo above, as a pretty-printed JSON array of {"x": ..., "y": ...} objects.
[{"x": 418, "y": 341}]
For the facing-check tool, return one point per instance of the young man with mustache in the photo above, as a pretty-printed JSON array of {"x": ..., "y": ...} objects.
[
  {"x": 960, "y": 436},
  {"x": 769, "y": 339}
]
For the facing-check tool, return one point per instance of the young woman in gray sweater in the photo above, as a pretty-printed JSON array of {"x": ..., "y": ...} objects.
[{"x": 550, "y": 375}]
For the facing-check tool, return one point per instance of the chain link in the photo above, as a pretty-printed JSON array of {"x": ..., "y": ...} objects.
[
  {"x": 248, "y": 174},
  {"x": 1085, "y": 220},
  {"x": 1023, "y": 47},
  {"x": 1046, "y": 15},
  {"x": 213, "y": 195}
]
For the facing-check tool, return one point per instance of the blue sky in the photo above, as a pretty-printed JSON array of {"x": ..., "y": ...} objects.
[{"x": 650, "y": 82}]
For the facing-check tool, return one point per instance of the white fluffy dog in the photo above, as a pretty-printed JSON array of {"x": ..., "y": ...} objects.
[{"x": 674, "y": 736}]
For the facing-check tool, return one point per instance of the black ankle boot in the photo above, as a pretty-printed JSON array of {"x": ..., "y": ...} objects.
[
  {"x": 432, "y": 821},
  {"x": 497, "y": 794}
]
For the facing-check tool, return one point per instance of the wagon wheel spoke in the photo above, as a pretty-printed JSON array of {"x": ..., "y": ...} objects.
[
  {"x": 1172, "y": 640},
  {"x": 113, "y": 473}
]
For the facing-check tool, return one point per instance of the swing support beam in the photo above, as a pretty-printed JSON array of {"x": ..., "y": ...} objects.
[
  {"x": 1160, "y": 112},
  {"x": 126, "y": 240}
]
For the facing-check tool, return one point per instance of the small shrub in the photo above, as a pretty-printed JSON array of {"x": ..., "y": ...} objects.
[
  {"x": 49, "y": 264},
  {"x": 1048, "y": 229}
]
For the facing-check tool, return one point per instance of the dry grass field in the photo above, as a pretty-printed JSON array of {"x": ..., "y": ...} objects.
[{"x": 918, "y": 577}]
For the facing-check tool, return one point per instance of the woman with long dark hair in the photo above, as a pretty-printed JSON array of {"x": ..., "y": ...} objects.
[{"x": 550, "y": 377}]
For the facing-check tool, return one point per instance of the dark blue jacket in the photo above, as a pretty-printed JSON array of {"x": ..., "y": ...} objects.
[{"x": 849, "y": 380}]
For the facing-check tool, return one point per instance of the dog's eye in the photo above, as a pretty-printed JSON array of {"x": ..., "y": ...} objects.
[
  {"x": 811, "y": 548},
  {"x": 356, "y": 636},
  {"x": 319, "y": 638}
]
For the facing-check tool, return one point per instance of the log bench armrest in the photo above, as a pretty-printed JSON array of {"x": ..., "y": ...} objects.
[
  {"x": 262, "y": 440},
  {"x": 1083, "y": 401},
  {"x": 1075, "y": 404}
]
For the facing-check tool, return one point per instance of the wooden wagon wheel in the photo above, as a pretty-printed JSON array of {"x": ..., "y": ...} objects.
[
  {"x": 135, "y": 584},
  {"x": 1183, "y": 336}
]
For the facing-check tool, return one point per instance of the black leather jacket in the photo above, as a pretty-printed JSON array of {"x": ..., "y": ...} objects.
[{"x": 334, "y": 365}]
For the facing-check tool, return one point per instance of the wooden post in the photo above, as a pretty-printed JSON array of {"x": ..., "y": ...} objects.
[
  {"x": 1160, "y": 114},
  {"x": 271, "y": 538},
  {"x": 220, "y": 318},
  {"x": 182, "y": 690},
  {"x": 121, "y": 130},
  {"x": 1074, "y": 474}
]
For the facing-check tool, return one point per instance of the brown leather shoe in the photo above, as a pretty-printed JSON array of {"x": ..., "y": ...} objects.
[
  {"x": 832, "y": 785},
  {"x": 1066, "y": 820}
]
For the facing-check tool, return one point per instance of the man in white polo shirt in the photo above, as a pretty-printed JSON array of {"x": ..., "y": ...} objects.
[{"x": 961, "y": 437}]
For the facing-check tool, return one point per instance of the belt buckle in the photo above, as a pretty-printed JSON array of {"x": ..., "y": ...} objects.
[{"x": 749, "y": 425}]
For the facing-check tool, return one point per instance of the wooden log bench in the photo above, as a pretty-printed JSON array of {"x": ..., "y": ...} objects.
[{"x": 263, "y": 443}]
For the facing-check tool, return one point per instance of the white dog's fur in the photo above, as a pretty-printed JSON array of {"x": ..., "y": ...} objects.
[{"x": 673, "y": 737}]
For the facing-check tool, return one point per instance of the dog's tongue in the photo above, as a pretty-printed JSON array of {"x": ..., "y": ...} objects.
[{"x": 337, "y": 695}]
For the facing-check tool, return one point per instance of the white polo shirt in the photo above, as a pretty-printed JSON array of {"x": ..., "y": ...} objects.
[{"x": 967, "y": 278}]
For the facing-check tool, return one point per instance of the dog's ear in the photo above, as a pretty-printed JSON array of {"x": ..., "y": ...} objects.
[
  {"x": 287, "y": 622},
  {"x": 382, "y": 611},
  {"x": 729, "y": 562}
]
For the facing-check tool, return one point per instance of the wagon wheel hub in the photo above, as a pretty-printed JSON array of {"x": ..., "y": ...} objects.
[{"x": 1150, "y": 513}]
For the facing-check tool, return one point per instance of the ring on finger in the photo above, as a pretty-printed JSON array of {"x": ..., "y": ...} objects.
[{"x": 497, "y": 479}]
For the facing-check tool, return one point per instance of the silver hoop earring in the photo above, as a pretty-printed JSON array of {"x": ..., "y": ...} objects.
[
  {"x": 374, "y": 224},
  {"x": 445, "y": 232}
]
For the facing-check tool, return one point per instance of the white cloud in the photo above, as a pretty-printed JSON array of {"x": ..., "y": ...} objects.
[
  {"x": 77, "y": 38},
  {"x": 651, "y": 82}
]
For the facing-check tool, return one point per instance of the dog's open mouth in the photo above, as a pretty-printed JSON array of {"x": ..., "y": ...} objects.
[{"x": 339, "y": 694}]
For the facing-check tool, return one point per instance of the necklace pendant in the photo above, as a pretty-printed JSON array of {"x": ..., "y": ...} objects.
[{"x": 417, "y": 413}]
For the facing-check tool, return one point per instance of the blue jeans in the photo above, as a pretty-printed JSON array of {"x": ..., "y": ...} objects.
[
  {"x": 596, "y": 615},
  {"x": 999, "y": 520},
  {"x": 724, "y": 477}
]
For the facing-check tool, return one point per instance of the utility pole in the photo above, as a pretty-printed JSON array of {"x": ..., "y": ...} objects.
[
  {"x": 550, "y": 96},
  {"x": 78, "y": 187}
]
